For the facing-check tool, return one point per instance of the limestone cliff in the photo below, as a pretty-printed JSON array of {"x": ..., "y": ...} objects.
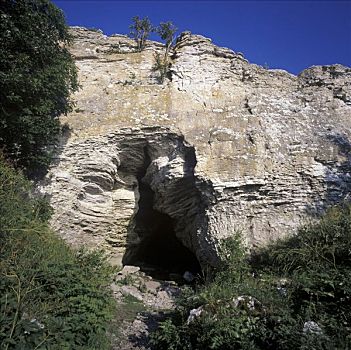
[{"x": 220, "y": 146}]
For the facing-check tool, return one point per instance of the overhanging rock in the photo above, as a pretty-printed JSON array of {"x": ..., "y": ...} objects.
[{"x": 116, "y": 191}]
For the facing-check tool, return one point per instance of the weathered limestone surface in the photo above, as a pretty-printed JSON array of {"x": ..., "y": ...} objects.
[{"x": 225, "y": 145}]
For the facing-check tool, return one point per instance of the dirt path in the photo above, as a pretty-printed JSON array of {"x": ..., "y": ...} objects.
[{"x": 142, "y": 303}]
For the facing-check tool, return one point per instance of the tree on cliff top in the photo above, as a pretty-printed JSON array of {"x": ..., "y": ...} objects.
[
  {"x": 166, "y": 31},
  {"x": 37, "y": 76},
  {"x": 140, "y": 30}
]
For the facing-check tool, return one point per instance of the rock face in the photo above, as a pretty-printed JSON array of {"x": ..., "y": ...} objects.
[{"x": 220, "y": 146}]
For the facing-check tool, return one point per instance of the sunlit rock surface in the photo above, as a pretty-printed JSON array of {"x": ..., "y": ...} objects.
[{"x": 223, "y": 146}]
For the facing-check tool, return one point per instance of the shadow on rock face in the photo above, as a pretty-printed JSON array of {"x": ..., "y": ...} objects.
[
  {"x": 159, "y": 251},
  {"x": 337, "y": 175}
]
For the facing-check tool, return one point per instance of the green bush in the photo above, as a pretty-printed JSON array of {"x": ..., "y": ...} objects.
[
  {"x": 317, "y": 264},
  {"x": 265, "y": 302},
  {"x": 51, "y": 297}
]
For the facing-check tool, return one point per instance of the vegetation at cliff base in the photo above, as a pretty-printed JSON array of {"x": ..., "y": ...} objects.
[
  {"x": 37, "y": 76},
  {"x": 296, "y": 294},
  {"x": 51, "y": 297}
]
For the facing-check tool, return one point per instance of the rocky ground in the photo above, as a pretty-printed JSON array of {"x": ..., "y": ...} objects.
[{"x": 143, "y": 301}]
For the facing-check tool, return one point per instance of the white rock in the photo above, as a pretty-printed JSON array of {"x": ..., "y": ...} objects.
[
  {"x": 194, "y": 313},
  {"x": 128, "y": 269},
  {"x": 133, "y": 291},
  {"x": 279, "y": 159},
  {"x": 312, "y": 327}
]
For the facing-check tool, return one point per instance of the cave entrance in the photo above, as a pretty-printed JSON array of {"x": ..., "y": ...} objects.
[{"x": 159, "y": 253}]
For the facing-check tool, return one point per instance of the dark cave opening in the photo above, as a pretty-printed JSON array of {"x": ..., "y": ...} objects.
[{"x": 159, "y": 253}]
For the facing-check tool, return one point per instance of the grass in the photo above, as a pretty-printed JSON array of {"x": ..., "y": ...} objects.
[
  {"x": 129, "y": 309},
  {"x": 126, "y": 312}
]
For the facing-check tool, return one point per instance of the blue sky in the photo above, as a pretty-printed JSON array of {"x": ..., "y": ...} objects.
[{"x": 291, "y": 35}]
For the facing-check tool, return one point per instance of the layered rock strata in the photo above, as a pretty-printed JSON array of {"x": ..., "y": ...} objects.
[{"x": 224, "y": 145}]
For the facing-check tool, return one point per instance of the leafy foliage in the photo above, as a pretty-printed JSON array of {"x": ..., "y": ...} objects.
[
  {"x": 166, "y": 31},
  {"x": 140, "y": 30},
  {"x": 317, "y": 262},
  {"x": 50, "y": 296},
  {"x": 270, "y": 301},
  {"x": 37, "y": 75}
]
